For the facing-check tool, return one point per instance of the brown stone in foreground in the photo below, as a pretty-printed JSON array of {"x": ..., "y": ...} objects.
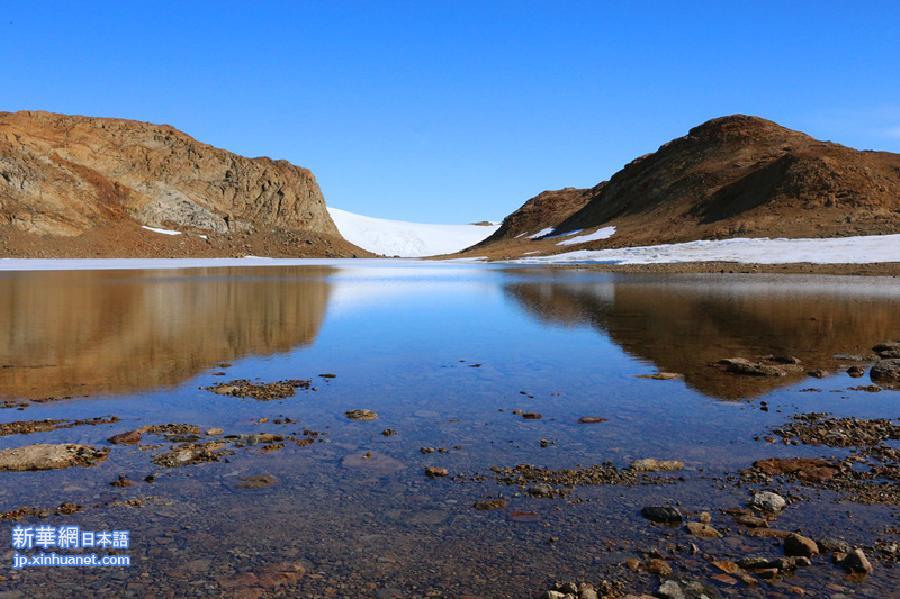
[
  {"x": 44, "y": 456},
  {"x": 807, "y": 469},
  {"x": 436, "y": 472},
  {"x": 128, "y": 438},
  {"x": 796, "y": 544},
  {"x": 698, "y": 529}
]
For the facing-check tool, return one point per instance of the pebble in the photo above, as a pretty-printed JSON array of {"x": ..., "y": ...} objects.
[{"x": 768, "y": 501}]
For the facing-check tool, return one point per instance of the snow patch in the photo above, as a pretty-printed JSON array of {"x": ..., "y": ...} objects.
[
  {"x": 402, "y": 238},
  {"x": 865, "y": 249},
  {"x": 602, "y": 233},
  {"x": 161, "y": 231},
  {"x": 541, "y": 233}
]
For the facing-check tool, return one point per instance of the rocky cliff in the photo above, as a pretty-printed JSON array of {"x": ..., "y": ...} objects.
[{"x": 67, "y": 176}]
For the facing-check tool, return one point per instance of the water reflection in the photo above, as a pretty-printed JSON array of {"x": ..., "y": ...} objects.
[
  {"x": 78, "y": 333},
  {"x": 685, "y": 323}
]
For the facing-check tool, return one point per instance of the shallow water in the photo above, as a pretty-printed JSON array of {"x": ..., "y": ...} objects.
[{"x": 443, "y": 353}]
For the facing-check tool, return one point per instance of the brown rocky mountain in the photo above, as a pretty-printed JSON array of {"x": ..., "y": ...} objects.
[
  {"x": 546, "y": 209},
  {"x": 93, "y": 181},
  {"x": 729, "y": 177}
]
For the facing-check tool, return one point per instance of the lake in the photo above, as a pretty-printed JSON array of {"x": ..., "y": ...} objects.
[{"x": 472, "y": 371}]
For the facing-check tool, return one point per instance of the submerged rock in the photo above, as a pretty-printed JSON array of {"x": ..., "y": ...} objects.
[
  {"x": 260, "y": 391},
  {"x": 490, "y": 504},
  {"x": 45, "y": 456},
  {"x": 661, "y": 376},
  {"x": 654, "y": 465},
  {"x": 436, "y": 472},
  {"x": 257, "y": 481},
  {"x": 591, "y": 420},
  {"x": 191, "y": 453},
  {"x": 662, "y": 514},
  {"x": 361, "y": 414}
]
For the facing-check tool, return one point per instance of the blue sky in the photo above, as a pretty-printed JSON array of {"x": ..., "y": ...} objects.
[{"x": 455, "y": 111}]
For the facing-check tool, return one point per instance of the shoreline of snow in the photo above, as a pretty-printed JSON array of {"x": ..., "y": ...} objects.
[
  {"x": 863, "y": 249},
  {"x": 406, "y": 239}
]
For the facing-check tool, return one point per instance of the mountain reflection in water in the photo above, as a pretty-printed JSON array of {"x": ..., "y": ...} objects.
[
  {"x": 685, "y": 323},
  {"x": 78, "y": 333}
]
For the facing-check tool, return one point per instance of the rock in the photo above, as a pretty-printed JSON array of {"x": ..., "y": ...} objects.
[
  {"x": 122, "y": 482},
  {"x": 834, "y": 545},
  {"x": 856, "y": 371},
  {"x": 751, "y": 521},
  {"x": 889, "y": 350},
  {"x": 257, "y": 481},
  {"x": 662, "y": 514},
  {"x": 435, "y": 472},
  {"x": 767, "y": 533},
  {"x": 790, "y": 563},
  {"x": 490, "y": 504},
  {"x": 260, "y": 391},
  {"x": 746, "y": 367},
  {"x": 857, "y": 562},
  {"x": 768, "y": 501},
  {"x": 213, "y": 432},
  {"x": 44, "y": 456},
  {"x": 781, "y": 359},
  {"x": 585, "y": 592},
  {"x": 724, "y": 579},
  {"x": 531, "y": 416},
  {"x": 361, "y": 414},
  {"x": 129, "y": 438},
  {"x": 886, "y": 370},
  {"x": 191, "y": 453},
  {"x": 806, "y": 469},
  {"x": 727, "y": 567},
  {"x": 654, "y": 465},
  {"x": 553, "y": 595},
  {"x": 658, "y": 566},
  {"x": 797, "y": 544},
  {"x": 698, "y": 529},
  {"x": 670, "y": 590},
  {"x": 591, "y": 420},
  {"x": 661, "y": 376}
]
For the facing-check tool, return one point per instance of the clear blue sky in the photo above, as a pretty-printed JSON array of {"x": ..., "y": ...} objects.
[{"x": 453, "y": 111}]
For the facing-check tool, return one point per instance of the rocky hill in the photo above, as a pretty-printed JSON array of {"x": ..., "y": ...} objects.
[
  {"x": 547, "y": 209},
  {"x": 736, "y": 176},
  {"x": 82, "y": 184}
]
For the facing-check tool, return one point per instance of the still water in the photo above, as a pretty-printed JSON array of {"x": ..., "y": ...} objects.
[{"x": 449, "y": 356}]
